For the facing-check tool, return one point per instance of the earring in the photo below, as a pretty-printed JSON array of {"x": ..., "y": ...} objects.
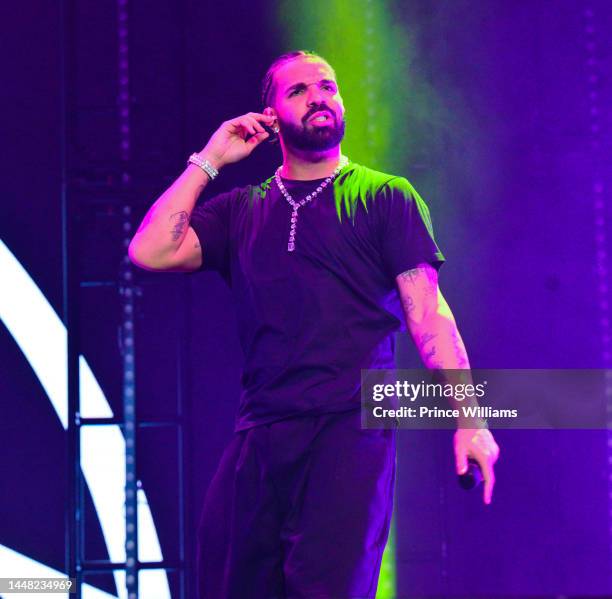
[{"x": 275, "y": 129}]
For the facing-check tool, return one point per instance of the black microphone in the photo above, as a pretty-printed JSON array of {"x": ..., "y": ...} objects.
[
  {"x": 472, "y": 477},
  {"x": 273, "y": 135}
]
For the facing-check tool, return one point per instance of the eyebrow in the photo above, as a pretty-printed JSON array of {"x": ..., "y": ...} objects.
[{"x": 302, "y": 84}]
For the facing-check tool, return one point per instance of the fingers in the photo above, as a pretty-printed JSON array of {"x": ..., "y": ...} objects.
[
  {"x": 487, "y": 453},
  {"x": 245, "y": 125},
  {"x": 262, "y": 118},
  {"x": 489, "y": 480},
  {"x": 481, "y": 446},
  {"x": 255, "y": 123},
  {"x": 461, "y": 459},
  {"x": 256, "y": 139},
  {"x": 249, "y": 124}
]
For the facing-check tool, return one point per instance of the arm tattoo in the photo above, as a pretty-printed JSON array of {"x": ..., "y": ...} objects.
[
  {"x": 425, "y": 338},
  {"x": 430, "y": 354},
  {"x": 413, "y": 274},
  {"x": 460, "y": 352},
  {"x": 422, "y": 278},
  {"x": 408, "y": 304},
  {"x": 179, "y": 220}
]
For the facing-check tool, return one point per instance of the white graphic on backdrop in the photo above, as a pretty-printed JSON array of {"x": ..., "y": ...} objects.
[{"x": 41, "y": 335}]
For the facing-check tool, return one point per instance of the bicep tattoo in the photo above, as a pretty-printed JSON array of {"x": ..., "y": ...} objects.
[
  {"x": 412, "y": 275},
  {"x": 425, "y": 277},
  {"x": 408, "y": 304},
  {"x": 418, "y": 289}
]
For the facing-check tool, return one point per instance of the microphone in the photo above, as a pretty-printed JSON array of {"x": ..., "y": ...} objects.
[{"x": 472, "y": 477}]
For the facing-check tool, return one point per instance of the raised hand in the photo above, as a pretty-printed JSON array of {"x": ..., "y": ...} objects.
[{"x": 236, "y": 139}]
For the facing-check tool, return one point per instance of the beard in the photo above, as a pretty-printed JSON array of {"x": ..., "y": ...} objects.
[{"x": 308, "y": 138}]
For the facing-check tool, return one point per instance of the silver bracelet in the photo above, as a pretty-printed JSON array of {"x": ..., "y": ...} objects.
[{"x": 206, "y": 166}]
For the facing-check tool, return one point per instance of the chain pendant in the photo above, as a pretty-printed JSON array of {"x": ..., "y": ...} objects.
[
  {"x": 294, "y": 217},
  {"x": 295, "y": 205}
]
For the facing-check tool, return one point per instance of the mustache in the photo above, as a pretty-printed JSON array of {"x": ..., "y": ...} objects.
[{"x": 321, "y": 108}]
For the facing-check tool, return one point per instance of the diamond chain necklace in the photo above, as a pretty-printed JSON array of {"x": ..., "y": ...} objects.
[{"x": 295, "y": 205}]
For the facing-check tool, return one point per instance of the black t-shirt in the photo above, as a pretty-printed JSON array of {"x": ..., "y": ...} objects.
[{"x": 311, "y": 319}]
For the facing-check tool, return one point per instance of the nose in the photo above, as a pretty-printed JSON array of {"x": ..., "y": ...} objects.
[{"x": 314, "y": 95}]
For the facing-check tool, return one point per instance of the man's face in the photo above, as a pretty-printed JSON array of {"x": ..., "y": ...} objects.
[{"x": 308, "y": 105}]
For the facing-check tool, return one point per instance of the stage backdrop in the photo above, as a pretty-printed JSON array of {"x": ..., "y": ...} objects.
[{"x": 497, "y": 112}]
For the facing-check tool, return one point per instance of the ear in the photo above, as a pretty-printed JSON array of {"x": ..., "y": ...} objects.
[{"x": 270, "y": 112}]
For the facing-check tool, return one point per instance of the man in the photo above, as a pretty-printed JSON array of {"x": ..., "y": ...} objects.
[{"x": 301, "y": 503}]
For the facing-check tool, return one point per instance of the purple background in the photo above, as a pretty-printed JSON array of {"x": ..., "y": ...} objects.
[{"x": 510, "y": 188}]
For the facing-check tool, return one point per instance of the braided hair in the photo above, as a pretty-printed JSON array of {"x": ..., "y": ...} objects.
[{"x": 267, "y": 85}]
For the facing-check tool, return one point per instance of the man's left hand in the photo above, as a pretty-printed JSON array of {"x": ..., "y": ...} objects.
[{"x": 479, "y": 444}]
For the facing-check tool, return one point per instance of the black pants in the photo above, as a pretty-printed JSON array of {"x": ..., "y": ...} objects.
[{"x": 299, "y": 508}]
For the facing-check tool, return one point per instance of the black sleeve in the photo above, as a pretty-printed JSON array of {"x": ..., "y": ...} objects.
[
  {"x": 211, "y": 222},
  {"x": 406, "y": 233}
]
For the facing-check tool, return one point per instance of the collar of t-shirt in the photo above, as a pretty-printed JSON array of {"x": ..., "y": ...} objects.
[
  {"x": 313, "y": 182},
  {"x": 299, "y": 189}
]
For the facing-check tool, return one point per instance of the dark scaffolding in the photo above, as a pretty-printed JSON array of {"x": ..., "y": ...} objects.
[{"x": 106, "y": 185}]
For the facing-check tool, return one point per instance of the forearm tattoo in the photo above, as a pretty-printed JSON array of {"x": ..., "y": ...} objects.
[
  {"x": 425, "y": 338},
  {"x": 421, "y": 342},
  {"x": 429, "y": 355},
  {"x": 179, "y": 221},
  {"x": 459, "y": 348}
]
